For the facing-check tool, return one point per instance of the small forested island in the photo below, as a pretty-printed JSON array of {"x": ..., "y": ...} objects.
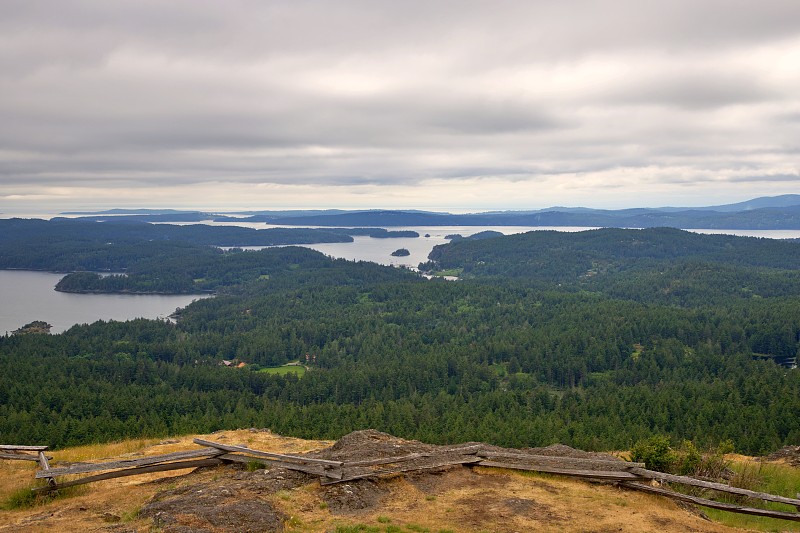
[
  {"x": 487, "y": 234},
  {"x": 401, "y": 252},
  {"x": 37, "y": 326}
]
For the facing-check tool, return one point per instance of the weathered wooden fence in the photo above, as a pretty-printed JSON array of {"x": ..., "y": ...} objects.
[
  {"x": 635, "y": 476},
  {"x": 17, "y": 452},
  {"x": 23, "y": 453},
  {"x": 212, "y": 454},
  {"x": 625, "y": 474}
]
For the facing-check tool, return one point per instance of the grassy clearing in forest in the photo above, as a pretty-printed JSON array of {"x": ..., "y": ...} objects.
[
  {"x": 450, "y": 272},
  {"x": 283, "y": 370}
]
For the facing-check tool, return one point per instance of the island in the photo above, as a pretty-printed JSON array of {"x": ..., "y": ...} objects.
[
  {"x": 402, "y": 252},
  {"x": 37, "y": 326}
]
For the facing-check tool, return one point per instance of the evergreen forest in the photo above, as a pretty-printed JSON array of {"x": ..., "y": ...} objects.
[{"x": 594, "y": 339}]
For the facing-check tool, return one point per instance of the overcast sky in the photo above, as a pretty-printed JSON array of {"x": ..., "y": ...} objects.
[{"x": 456, "y": 105}]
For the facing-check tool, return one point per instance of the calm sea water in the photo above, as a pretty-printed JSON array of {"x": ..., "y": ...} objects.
[
  {"x": 26, "y": 296},
  {"x": 380, "y": 250}
]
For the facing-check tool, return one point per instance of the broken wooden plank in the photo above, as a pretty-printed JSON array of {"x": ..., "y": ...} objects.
[
  {"x": 23, "y": 448},
  {"x": 469, "y": 449},
  {"x": 18, "y": 456},
  {"x": 580, "y": 462},
  {"x": 309, "y": 469},
  {"x": 721, "y": 487},
  {"x": 374, "y": 473},
  {"x": 385, "y": 460},
  {"x": 45, "y": 465},
  {"x": 267, "y": 455},
  {"x": 711, "y": 503},
  {"x": 43, "y": 461},
  {"x": 181, "y": 465},
  {"x": 610, "y": 475},
  {"x": 153, "y": 459}
]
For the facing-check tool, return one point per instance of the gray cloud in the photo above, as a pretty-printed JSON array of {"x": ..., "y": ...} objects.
[
  {"x": 697, "y": 90},
  {"x": 581, "y": 95},
  {"x": 791, "y": 178}
]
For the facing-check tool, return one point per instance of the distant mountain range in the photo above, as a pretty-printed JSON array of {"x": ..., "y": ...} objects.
[{"x": 768, "y": 213}]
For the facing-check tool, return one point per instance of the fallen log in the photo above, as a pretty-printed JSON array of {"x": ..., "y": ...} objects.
[{"x": 711, "y": 503}]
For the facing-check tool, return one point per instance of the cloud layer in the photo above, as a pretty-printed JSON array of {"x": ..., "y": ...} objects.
[{"x": 397, "y": 104}]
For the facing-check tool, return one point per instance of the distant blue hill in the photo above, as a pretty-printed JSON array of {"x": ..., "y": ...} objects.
[
  {"x": 130, "y": 212},
  {"x": 769, "y": 218},
  {"x": 268, "y": 214},
  {"x": 767, "y": 213},
  {"x": 786, "y": 200}
]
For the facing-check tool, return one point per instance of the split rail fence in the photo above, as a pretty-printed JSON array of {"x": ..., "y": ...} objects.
[{"x": 626, "y": 474}]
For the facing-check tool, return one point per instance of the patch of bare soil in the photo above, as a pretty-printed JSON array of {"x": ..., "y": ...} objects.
[
  {"x": 358, "y": 495},
  {"x": 231, "y": 502},
  {"x": 788, "y": 454},
  {"x": 371, "y": 444},
  {"x": 490, "y": 510},
  {"x": 435, "y": 482}
]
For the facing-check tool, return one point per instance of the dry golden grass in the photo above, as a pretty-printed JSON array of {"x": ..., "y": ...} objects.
[
  {"x": 459, "y": 500},
  {"x": 497, "y": 501},
  {"x": 106, "y": 501}
]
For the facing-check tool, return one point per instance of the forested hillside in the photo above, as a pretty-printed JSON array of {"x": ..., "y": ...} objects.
[
  {"x": 659, "y": 265},
  {"x": 154, "y": 258},
  {"x": 589, "y": 350}
]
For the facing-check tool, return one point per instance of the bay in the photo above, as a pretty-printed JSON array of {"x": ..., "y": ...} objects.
[
  {"x": 26, "y": 296},
  {"x": 380, "y": 250}
]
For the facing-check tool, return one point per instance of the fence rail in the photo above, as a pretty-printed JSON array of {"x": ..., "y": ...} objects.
[{"x": 18, "y": 452}]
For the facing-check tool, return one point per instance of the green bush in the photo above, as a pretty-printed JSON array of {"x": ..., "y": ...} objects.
[
  {"x": 655, "y": 452},
  {"x": 688, "y": 459},
  {"x": 252, "y": 466},
  {"x": 711, "y": 464}
]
